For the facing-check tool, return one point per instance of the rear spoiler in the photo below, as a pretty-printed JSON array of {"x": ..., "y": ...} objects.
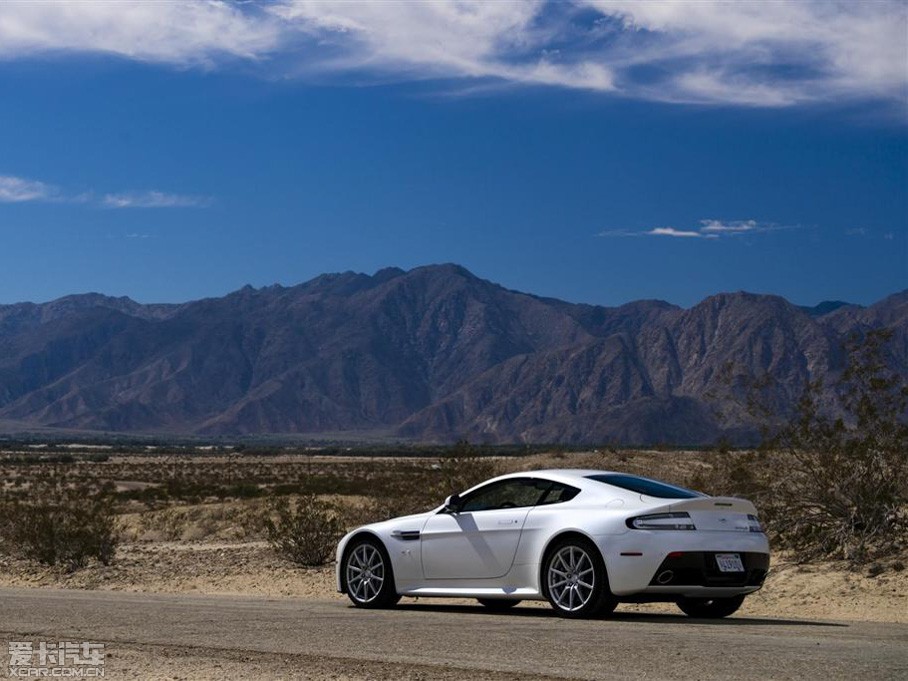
[{"x": 717, "y": 504}]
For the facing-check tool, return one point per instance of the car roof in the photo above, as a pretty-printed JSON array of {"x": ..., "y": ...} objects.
[
  {"x": 581, "y": 478},
  {"x": 573, "y": 476},
  {"x": 589, "y": 480},
  {"x": 573, "y": 473}
]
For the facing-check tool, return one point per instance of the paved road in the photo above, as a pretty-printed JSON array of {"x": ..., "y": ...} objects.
[{"x": 303, "y": 638}]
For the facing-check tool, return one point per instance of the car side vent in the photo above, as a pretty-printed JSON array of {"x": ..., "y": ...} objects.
[{"x": 406, "y": 535}]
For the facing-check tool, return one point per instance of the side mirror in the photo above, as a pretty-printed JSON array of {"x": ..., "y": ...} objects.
[{"x": 452, "y": 504}]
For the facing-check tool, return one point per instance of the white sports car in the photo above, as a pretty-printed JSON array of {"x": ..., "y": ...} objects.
[{"x": 584, "y": 540}]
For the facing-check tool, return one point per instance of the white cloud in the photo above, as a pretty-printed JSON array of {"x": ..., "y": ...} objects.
[
  {"x": 709, "y": 229},
  {"x": 153, "y": 199},
  {"x": 18, "y": 190},
  {"x": 753, "y": 52},
  {"x": 619, "y": 232},
  {"x": 746, "y": 53},
  {"x": 147, "y": 30},
  {"x": 465, "y": 39},
  {"x": 671, "y": 231},
  {"x": 734, "y": 227}
]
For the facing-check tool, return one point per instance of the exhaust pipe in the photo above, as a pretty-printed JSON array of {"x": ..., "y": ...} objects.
[{"x": 665, "y": 577}]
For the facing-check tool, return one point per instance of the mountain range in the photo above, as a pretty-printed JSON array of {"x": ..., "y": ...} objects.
[{"x": 430, "y": 354}]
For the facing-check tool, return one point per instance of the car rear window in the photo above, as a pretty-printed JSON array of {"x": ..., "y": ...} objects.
[
  {"x": 651, "y": 488},
  {"x": 557, "y": 494}
]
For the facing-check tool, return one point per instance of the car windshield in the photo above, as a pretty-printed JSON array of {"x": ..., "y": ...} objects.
[{"x": 651, "y": 488}]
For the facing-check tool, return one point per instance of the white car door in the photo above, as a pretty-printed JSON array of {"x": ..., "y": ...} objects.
[{"x": 480, "y": 540}]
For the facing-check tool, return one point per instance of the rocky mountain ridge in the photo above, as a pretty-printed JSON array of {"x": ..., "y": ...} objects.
[{"x": 432, "y": 354}]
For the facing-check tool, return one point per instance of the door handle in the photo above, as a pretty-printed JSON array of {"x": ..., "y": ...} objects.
[{"x": 513, "y": 521}]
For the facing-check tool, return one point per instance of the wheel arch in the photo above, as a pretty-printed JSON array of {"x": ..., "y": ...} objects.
[
  {"x": 549, "y": 547},
  {"x": 352, "y": 540}
]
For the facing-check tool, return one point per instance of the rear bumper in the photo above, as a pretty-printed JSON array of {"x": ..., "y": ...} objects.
[
  {"x": 635, "y": 559},
  {"x": 700, "y": 568}
]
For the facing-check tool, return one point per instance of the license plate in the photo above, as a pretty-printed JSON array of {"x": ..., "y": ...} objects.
[{"x": 729, "y": 562}]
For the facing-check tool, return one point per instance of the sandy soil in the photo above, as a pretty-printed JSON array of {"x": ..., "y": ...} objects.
[{"x": 818, "y": 591}]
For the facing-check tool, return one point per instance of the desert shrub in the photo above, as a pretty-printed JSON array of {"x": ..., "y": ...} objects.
[
  {"x": 305, "y": 532},
  {"x": 845, "y": 491},
  {"x": 223, "y": 521},
  {"x": 747, "y": 474},
  {"x": 166, "y": 524},
  {"x": 64, "y": 528},
  {"x": 833, "y": 483},
  {"x": 7, "y": 522}
]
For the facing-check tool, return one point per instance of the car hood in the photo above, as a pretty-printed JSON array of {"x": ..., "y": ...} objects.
[{"x": 406, "y": 522}]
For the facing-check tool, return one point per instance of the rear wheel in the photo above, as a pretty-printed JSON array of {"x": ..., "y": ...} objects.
[
  {"x": 710, "y": 608},
  {"x": 368, "y": 575},
  {"x": 575, "y": 580},
  {"x": 498, "y": 604}
]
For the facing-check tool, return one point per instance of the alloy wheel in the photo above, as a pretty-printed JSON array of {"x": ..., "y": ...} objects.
[
  {"x": 365, "y": 573},
  {"x": 571, "y": 578}
]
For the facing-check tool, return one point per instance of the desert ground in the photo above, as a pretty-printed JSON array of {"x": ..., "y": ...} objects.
[
  {"x": 190, "y": 521},
  {"x": 191, "y": 526}
]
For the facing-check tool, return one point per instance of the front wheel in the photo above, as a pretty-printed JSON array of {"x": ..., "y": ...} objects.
[
  {"x": 576, "y": 583},
  {"x": 368, "y": 574},
  {"x": 710, "y": 608}
]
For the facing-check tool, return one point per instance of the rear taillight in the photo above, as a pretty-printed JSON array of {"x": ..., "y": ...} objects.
[
  {"x": 753, "y": 523},
  {"x": 662, "y": 521}
]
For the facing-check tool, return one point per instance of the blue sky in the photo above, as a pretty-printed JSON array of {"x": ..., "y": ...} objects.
[{"x": 598, "y": 152}]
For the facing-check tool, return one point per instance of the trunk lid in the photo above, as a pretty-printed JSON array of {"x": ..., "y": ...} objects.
[{"x": 717, "y": 514}]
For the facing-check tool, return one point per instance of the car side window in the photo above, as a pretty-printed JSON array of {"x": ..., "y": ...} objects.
[
  {"x": 513, "y": 493},
  {"x": 558, "y": 493}
]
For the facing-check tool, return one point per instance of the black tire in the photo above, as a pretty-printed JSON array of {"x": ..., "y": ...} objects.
[
  {"x": 498, "y": 604},
  {"x": 568, "y": 567},
  {"x": 368, "y": 575},
  {"x": 608, "y": 606},
  {"x": 710, "y": 608}
]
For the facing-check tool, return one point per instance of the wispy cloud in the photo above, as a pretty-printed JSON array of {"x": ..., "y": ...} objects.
[
  {"x": 154, "y": 199},
  {"x": 678, "y": 233},
  {"x": 18, "y": 190},
  {"x": 708, "y": 229},
  {"x": 734, "y": 227},
  {"x": 863, "y": 232},
  {"x": 767, "y": 53},
  {"x": 746, "y": 53},
  {"x": 505, "y": 40},
  {"x": 181, "y": 33}
]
